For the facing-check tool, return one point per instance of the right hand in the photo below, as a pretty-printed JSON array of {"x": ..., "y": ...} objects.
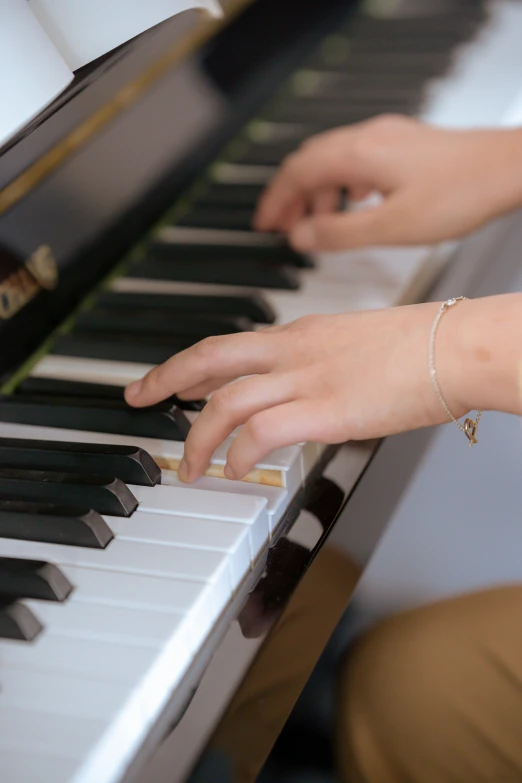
[{"x": 435, "y": 184}]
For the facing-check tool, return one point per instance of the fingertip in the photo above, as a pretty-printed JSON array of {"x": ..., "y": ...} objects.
[
  {"x": 132, "y": 392},
  {"x": 229, "y": 472},
  {"x": 261, "y": 221},
  {"x": 184, "y": 472}
]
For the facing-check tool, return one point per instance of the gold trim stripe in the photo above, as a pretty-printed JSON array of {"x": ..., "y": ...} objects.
[{"x": 42, "y": 168}]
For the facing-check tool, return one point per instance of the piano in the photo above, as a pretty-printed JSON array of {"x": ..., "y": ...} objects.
[{"x": 135, "y": 609}]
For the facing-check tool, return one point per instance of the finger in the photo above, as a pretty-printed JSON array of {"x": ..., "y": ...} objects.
[
  {"x": 325, "y": 202},
  {"x": 375, "y": 226},
  {"x": 295, "y": 212},
  {"x": 203, "y": 389},
  {"x": 274, "y": 428},
  {"x": 313, "y": 168},
  {"x": 233, "y": 355},
  {"x": 228, "y": 408},
  {"x": 359, "y": 193}
]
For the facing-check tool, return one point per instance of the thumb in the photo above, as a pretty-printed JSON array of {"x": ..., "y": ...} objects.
[{"x": 382, "y": 225}]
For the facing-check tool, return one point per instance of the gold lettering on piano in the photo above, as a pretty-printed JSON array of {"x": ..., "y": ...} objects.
[
  {"x": 22, "y": 285},
  {"x": 15, "y": 291},
  {"x": 42, "y": 265}
]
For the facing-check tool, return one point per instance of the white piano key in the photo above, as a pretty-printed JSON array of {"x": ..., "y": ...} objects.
[
  {"x": 315, "y": 295},
  {"x": 132, "y": 590},
  {"x": 199, "y": 602},
  {"x": 277, "y": 498},
  {"x": 89, "y": 370},
  {"x": 234, "y": 508},
  {"x": 126, "y": 712},
  {"x": 169, "y": 449},
  {"x": 85, "y": 658},
  {"x": 60, "y": 695},
  {"x": 241, "y": 174},
  {"x": 132, "y": 557},
  {"x": 177, "y": 530},
  {"x": 191, "y": 532},
  {"x": 51, "y": 735},
  {"x": 263, "y": 131},
  {"x": 255, "y": 505},
  {"x": 147, "y": 286},
  {"x": 204, "y": 504},
  {"x": 22, "y": 766},
  {"x": 311, "y": 453},
  {"x": 285, "y": 460},
  {"x": 111, "y": 643},
  {"x": 108, "y": 623},
  {"x": 172, "y": 235}
]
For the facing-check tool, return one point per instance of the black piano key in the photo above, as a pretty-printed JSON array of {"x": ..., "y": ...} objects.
[
  {"x": 227, "y": 218},
  {"x": 332, "y": 115},
  {"x": 340, "y": 83},
  {"x": 128, "y": 463},
  {"x": 227, "y": 272},
  {"x": 424, "y": 66},
  {"x": 231, "y": 195},
  {"x": 253, "y": 307},
  {"x": 408, "y": 42},
  {"x": 57, "y": 387},
  {"x": 17, "y": 621},
  {"x": 120, "y": 347},
  {"x": 277, "y": 253},
  {"x": 158, "y": 323},
  {"x": 368, "y": 28},
  {"x": 266, "y": 154},
  {"x": 21, "y": 578},
  {"x": 53, "y": 524},
  {"x": 331, "y": 92},
  {"x": 158, "y": 421},
  {"x": 104, "y": 494}
]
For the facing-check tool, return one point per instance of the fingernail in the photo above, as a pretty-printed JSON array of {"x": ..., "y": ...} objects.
[
  {"x": 132, "y": 390},
  {"x": 229, "y": 473},
  {"x": 183, "y": 471},
  {"x": 303, "y": 237}
]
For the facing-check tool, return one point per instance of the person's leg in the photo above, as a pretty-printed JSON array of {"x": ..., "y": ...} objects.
[{"x": 434, "y": 695}]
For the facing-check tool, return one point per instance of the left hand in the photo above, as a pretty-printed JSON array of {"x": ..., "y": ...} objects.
[{"x": 323, "y": 378}]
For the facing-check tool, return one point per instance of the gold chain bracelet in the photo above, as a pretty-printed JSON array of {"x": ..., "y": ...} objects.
[{"x": 469, "y": 428}]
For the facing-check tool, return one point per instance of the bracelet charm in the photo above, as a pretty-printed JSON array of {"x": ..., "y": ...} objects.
[{"x": 470, "y": 426}]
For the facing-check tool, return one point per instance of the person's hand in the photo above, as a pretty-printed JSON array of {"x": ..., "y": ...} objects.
[
  {"x": 435, "y": 184},
  {"x": 326, "y": 379}
]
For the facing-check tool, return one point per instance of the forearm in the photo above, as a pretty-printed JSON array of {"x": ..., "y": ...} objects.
[
  {"x": 482, "y": 342},
  {"x": 504, "y": 167}
]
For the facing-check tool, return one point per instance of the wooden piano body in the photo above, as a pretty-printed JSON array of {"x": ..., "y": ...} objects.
[{"x": 94, "y": 188}]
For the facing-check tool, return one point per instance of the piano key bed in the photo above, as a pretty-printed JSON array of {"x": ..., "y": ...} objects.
[{"x": 116, "y": 580}]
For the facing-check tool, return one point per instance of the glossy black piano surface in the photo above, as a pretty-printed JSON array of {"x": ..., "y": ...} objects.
[{"x": 116, "y": 208}]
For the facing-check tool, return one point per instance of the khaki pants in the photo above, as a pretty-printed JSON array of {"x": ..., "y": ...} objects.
[{"x": 434, "y": 695}]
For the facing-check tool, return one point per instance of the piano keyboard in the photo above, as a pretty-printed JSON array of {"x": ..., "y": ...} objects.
[{"x": 113, "y": 573}]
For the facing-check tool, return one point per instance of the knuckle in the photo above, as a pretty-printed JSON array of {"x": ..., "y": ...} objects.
[
  {"x": 223, "y": 400},
  {"x": 208, "y": 349},
  {"x": 205, "y": 346}
]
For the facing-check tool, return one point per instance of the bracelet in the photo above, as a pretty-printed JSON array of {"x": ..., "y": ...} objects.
[{"x": 469, "y": 428}]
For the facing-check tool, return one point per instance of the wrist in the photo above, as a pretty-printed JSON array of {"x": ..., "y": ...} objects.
[{"x": 480, "y": 346}]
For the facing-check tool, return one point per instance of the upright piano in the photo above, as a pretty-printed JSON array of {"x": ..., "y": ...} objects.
[{"x": 135, "y": 609}]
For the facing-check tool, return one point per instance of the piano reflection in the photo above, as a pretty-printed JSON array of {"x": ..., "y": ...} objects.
[{"x": 134, "y": 148}]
